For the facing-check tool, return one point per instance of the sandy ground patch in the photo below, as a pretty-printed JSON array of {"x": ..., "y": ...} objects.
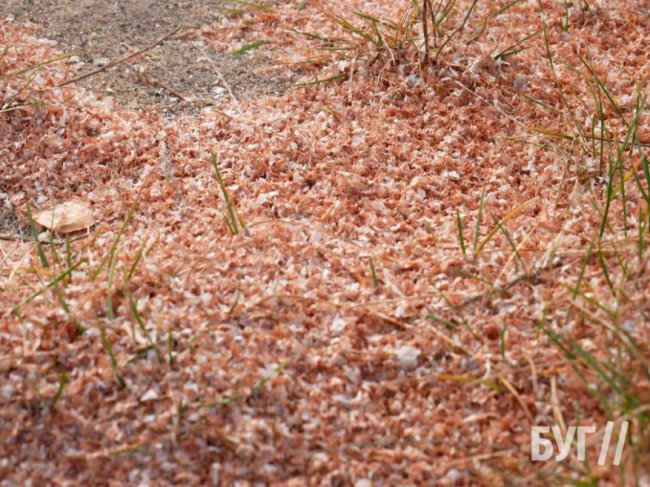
[{"x": 103, "y": 31}]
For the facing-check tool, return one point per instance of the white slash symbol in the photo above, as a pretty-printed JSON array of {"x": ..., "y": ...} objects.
[
  {"x": 621, "y": 442},
  {"x": 607, "y": 440}
]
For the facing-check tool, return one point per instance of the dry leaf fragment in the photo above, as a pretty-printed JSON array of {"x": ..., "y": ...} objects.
[{"x": 66, "y": 218}]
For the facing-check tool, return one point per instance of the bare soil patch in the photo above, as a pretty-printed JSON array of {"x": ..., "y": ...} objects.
[{"x": 168, "y": 76}]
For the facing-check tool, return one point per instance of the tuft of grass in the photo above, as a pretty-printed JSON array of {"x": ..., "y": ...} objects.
[
  {"x": 369, "y": 38},
  {"x": 605, "y": 290},
  {"x": 612, "y": 373},
  {"x": 22, "y": 96},
  {"x": 56, "y": 282},
  {"x": 383, "y": 35},
  {"x": 232, "y": 219},
  {"x": 110, "y": 256},
  {"x": 364, "y": 37},
  {"x": 133, "y": 302},
  {"x": 52, "y": 284},
  {"x": 457, "y": 31}
]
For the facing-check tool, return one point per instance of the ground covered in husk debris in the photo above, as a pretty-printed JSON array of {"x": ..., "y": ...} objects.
[{"x": 418, "y": 259}]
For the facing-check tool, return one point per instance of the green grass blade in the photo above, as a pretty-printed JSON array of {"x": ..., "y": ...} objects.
[
  {"x": 133, "y": 303},
  {"x": 109, "y": 350},
  {"x": 39, "y": 246},
  {"x": 63, "y": 380},
  {"x": 479, "y": 219},
  {"x": 461, "y": 238},
  {"x": 375, "y": 280},
  {"x": 111, "y": 253},
  {"x": 249, "y": 47},
  {"x": 36, "y": 66},
  {"x": 231, "y": 221}
]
